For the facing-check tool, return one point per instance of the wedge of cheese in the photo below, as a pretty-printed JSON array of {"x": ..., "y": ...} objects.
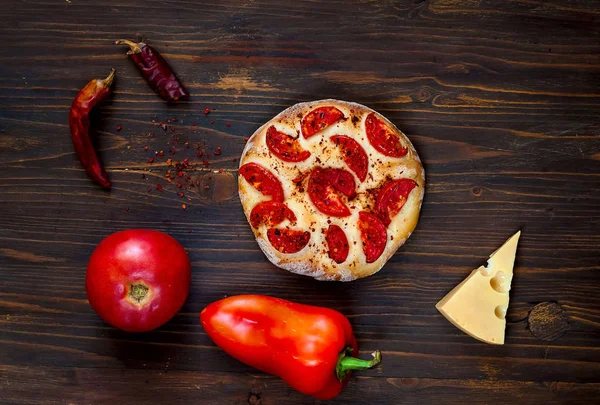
[{"x": 478, "y": 305}]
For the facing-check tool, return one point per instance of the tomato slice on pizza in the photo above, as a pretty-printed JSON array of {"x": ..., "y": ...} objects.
[
  {"x": 383, "y": 138},
  {"x": 285, "y": 147},
  {"x": 262, "y": 180},
  {"x": 319, "y": 119},
  {"x": 354, "y": 155}
]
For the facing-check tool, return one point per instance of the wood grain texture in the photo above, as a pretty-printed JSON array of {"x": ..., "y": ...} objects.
[{"x": 500, "y": 98}]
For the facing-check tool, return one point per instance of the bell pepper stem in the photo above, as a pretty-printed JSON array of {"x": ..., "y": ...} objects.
[{"x": 348, "y": 363}]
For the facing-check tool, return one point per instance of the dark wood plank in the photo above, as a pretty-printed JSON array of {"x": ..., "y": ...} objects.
[{"x": 500, "y": 98}]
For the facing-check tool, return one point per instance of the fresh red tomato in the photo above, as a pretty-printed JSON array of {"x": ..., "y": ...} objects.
[
  {"x": 284, "y": 146},
  {"x": 138, "y": 279}
]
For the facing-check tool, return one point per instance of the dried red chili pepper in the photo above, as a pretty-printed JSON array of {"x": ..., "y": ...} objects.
[
  {"x": 155, "y": 70},
  {"x": 93, "y": 93}
]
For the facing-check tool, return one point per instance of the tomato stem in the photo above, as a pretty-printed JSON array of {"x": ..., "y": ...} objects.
[
  {"x": 138, "y": 291},
  {"x": 348, "y": 363}
]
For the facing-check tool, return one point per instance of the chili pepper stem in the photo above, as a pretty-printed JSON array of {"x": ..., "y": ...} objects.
[
  {"x": 348, "y": 363},
  {"x": 133, "y": 47},
  {"x": 109, "y": 79}
]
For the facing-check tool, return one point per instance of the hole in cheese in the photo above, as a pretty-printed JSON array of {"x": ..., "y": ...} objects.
[
  {"x": 500, "y": 311},
  {"x": 501, "y": 282}
]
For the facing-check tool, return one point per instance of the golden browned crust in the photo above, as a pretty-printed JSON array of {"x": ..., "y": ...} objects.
[{"x": 313, "y": 260}]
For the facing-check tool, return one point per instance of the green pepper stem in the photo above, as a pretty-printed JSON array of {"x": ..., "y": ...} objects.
[
  {"x": 133, "y": 47},
  {"x": 348, "y": 363}
]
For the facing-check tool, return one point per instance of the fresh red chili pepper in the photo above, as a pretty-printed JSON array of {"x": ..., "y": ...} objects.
[
  {"x": 307, "y": 346},
  {"x": 155, "y": 70},
  {"x": 93, "y": 93}
]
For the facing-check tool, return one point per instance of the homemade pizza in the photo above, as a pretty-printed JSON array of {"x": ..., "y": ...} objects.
[{"x": 331, "y": 189}]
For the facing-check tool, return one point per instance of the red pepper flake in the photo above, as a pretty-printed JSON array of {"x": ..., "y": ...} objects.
[
  {"x": 160, "y": 153},
  {"x": 200, "y": 154},
  {"x": 169, "y": 162},
  {"x": 126, "y": 208},
  {"x": 206, "y": 187},
  {"x": 180, "y": 174},
  {"x": 205, "y": 163},
  {"x": 220, "y": 170},
  {"x": 212, "y": 122},
  {"x": 180, "y": 194},
  {"x": 172, "y": 128},
  {"x": 218, "y": 151},
  {"x": 159, "y": 187},
  {"x": 151, "y": 160},
  {"x": 246, "y": 138},
  {"x": 198, "y": 182},
  {"x": 179, "y": 185},
  {"x": 188, "y": 178},
  {"x": 176, "y": 139},
  {"x": 206, "y": 111},
  {"x": 184, "y": 206},
  {"x": 228, "y": 124},
  {"x": 119, "y": 127},
  {"x": 186, "y": 161},
  {"x": 146, "y": 148},
  {"x": 149, "y": 189}
]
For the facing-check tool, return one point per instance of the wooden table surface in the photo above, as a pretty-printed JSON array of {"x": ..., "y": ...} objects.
[{"x": 500, "y": 98}]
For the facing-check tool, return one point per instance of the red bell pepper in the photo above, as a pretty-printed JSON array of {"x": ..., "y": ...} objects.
[{"x": 308, "y": 347}]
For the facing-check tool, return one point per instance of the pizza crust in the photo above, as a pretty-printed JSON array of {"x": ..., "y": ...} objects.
[{"x": 313, "y": 260}]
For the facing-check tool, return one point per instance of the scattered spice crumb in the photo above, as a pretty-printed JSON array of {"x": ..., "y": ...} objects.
[
  {"x": 180, "y": 194},
  {"x": 218, "y": 151},
  {"x": 184, "y": 206},
  {"x": 212, "y": 122},
  {"x": 151, "y": 160},
  {"x": 206, "y": 111}
]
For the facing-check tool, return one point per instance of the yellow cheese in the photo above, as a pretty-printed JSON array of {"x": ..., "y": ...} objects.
[{"x": 478, "y": 305}]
